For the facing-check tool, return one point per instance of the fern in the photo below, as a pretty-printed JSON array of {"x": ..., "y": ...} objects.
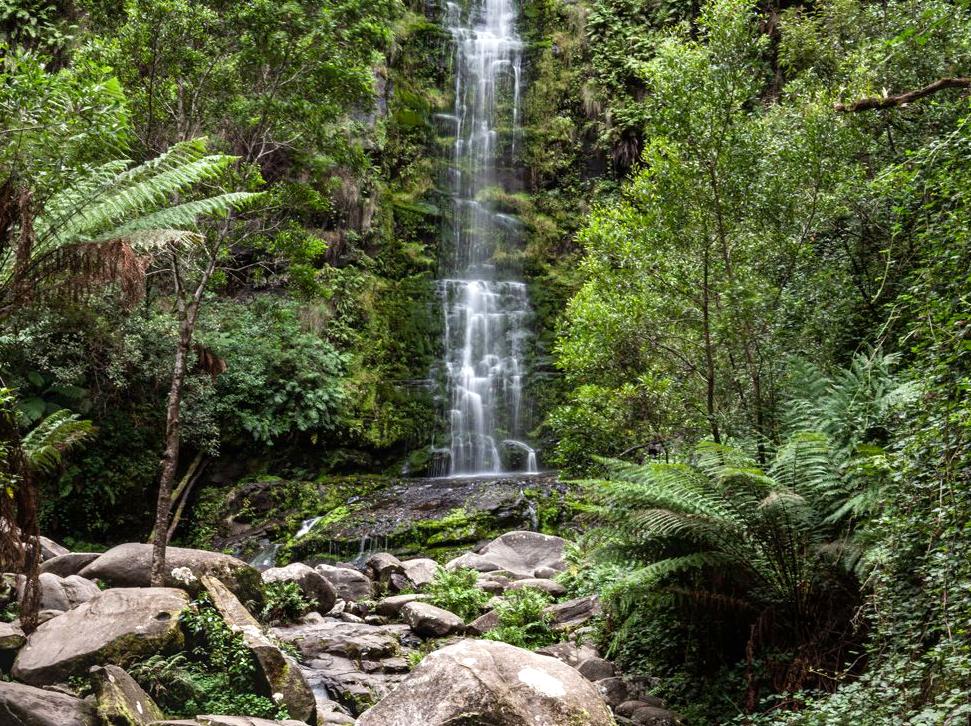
[{"x": 45, "y": 445}]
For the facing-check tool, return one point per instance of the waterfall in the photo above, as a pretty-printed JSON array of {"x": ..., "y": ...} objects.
[{"x": 486, "y": 314}]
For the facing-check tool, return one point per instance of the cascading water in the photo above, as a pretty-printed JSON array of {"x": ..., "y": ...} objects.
[{"x": 486, "y": 315}]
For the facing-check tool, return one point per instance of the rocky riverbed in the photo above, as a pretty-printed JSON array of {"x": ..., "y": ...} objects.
[{"x": 375, "y": 651}]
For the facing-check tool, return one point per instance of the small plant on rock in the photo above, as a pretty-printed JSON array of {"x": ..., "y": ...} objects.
[
  {"x": 284, "y": 603},
  {"x": 456, "y": 592}
]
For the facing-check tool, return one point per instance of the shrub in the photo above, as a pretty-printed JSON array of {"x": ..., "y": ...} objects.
[
  {"x": 523, "y": 620},
  {"x": 457, "y": 592},
  {"x": 284, "y": 602}
]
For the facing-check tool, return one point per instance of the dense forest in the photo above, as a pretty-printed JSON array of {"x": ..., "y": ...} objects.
[{"x": 227, "y": 268}]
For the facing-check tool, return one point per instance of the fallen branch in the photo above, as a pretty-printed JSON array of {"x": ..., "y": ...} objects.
[{"x": 880, "y": 102}]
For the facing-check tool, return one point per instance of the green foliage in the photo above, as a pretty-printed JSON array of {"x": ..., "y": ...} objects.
[
  {"x": 45, "y": 445},
  {"x": 523, "y": 621},
  {"x": 456, "y": 592},
  {"x": 215, "y": 676},
  {"x": 284, "y": 602}
]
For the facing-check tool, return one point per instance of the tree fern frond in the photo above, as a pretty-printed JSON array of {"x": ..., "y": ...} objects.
[
  {"x": 46, "y": 443},
  {"x": 183, "y": 216}
]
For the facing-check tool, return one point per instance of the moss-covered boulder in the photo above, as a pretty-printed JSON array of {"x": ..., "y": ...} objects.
[
  {"x": 121, "y": 701},
  {"x": 116, "y": 626}
]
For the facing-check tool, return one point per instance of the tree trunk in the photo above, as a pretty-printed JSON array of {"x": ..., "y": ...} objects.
[{"x": 709, "y": 350}]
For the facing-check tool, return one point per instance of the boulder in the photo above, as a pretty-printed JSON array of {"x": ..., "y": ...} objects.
[
  {"x": 550, "y": 587},
  {"x": 521, "y": 554},
  {"x": 348, "y": 640},
  {"x": 49, "y": 549},
  {"x": 569, "y": 652},
  {"x": 350, "y": 584},
  {"x": 595, "y": 669},
  {"x": 11, "y": 637},
  {"x": 421, "y": 571},
  {"x": 484, "y": 623},
  {"x": 381, "y": 566},
  {"x": 280, "y": 674},
  {"x": 210, "y": 720},
  {"x": 64, "y": 593},
  {"x": 130, "y": 565},
  {"x": 493, "y": 583},
  {"x": 429, "y": 621},
  {"x": 627, "y": 708},
  {"x": 122, "y": 623},
  {"x": 479, "y": 681},
  {"x": 70, "y": 564},
  {"x": 22, "y": 705},
  {"x": 121, "y": 701},
  {"x": 614, "y": 690},
  {"x": 654, "y": 716},
  {"x": 311, "y": 583},
  {"x": 390, "y": 607},
  {"x": 574, "y": 613}
]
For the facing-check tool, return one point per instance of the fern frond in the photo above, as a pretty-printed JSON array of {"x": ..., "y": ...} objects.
[
  {"x": 46, "y": 443},
  {"x": 183, "y": 216}
]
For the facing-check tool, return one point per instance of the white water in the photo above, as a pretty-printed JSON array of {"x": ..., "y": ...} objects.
[
  {"x": 306, "y": 526},
  {"x": 485, "y": 316}
]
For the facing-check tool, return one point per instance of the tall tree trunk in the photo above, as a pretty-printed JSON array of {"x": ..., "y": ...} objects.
[
  {"x": 709, "y": 348},
  {"x": 188, "y": 312}
]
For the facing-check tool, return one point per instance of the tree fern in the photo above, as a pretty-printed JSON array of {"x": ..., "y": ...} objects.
[
  {"x": 87, "y": 233},
  {"x": 45, "y": 445}
]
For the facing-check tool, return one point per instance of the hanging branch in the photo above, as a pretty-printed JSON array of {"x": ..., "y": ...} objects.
[{"x": 881, "y": 102}]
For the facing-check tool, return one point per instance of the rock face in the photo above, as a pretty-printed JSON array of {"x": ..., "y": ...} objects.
[
  {"x": 350, "y": 584},
  {"x": 574, "y": 613},
  {"x": 121, "y": 701},
  {"x": 49, "y": 549},
  {"x": 390, "y": 607},
  {"x": 11, "y": 637},
  {"x": 22, "y": 705},
  {"x": 486, "y": 682},
  {"x": 311, "y": 583},
  {"x": 130, "y": 565},
  {"x": 281, "y": 674},
  {"x": 123, "y": 622},
  {"x": 521, "y": 554},
  {"x": 70, "y": 564},
  {"x": 429, "y": 621}
]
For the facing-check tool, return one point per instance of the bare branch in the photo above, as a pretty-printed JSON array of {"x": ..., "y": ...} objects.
[{"x": 881, "y": 102}]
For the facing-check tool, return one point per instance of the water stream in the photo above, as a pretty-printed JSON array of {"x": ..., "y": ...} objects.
[{"x": 486, "y": 309}]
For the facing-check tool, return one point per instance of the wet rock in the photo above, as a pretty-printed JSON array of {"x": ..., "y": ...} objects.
[
  {"x": 22, "y": 705},
  {"x": 70, "y": 564},
  {"x": 122, "y": 622},
  {"x": 348, "y": 681},
  {"x": 519, "y": 553},
  {"x": 311, "y": 583},
  {"x": 429, "y": 621},
  {"x": 574, "y": 613},
  {"x": 390, "y": 607},
  {"x": 595, "y": 669},
  {"x": 280, "y": 673},
  {"x": 121, "y": 701},
  {"x": 550, "y": 587},
  {"x": 421, "y": 572},
  {"x": 493, "y": 682},
  {"x": 350, "y": 584},
  {"x": 130, "y": 565}
]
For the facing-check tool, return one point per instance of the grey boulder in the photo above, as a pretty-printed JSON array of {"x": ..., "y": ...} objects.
[
  {"x": 70, "y": 564},
  {"x": 429, "y": 621},
  {"x": 311, "y": 583},
  {"x": 521, "y": 554},
  {"x": 22, "y": 705},
  {"x": 477, "y": 681},
  {"x": 123, "y": 623},
  {"x": 130, "y": 565},
  {"x": 350, "y": 584},
  {"x": 421, "y": 571}
]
